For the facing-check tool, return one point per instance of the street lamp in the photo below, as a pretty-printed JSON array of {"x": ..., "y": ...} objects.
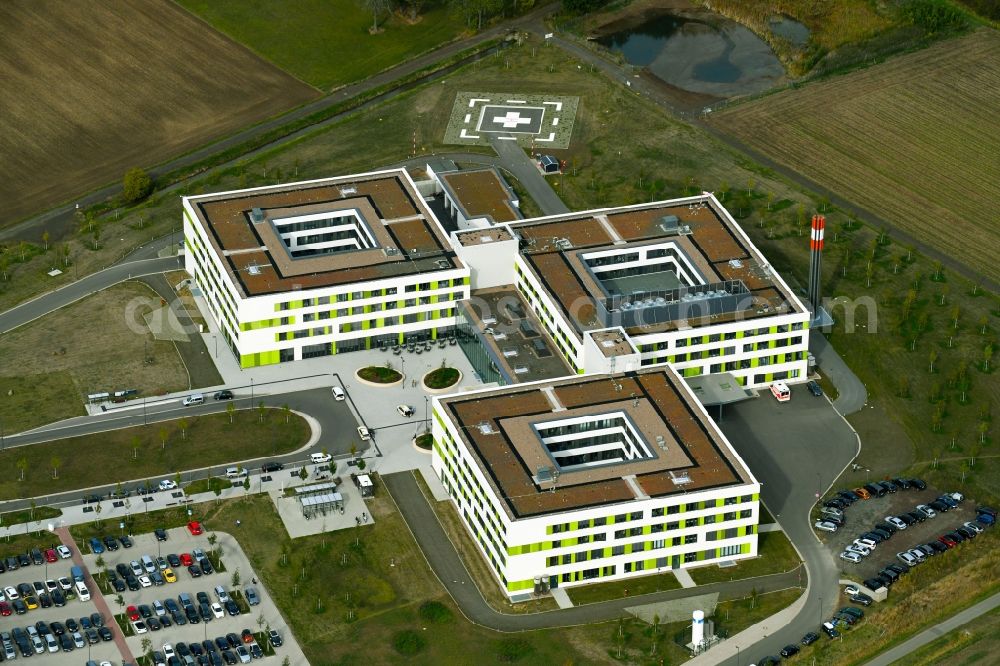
[
  {"x": 216, "y": 339},
  {"x": 251, "y": 392}
]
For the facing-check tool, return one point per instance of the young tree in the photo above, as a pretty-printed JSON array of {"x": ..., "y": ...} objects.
[
  {"x": 136, "y": 445},
  {"x": 22, "y": 465},
  {"x": 260, "y": 412},
  {"x": 231, "y": 410},
  {"x": 147, "y": 647},
  {"x": 212, "y": 539},
  {"x": 45, "y": 240},
  {"x": 56, "y": 462},
  {"x": 377, "y": 8},
  {"x": 287, "y": 411},
  {"x": 136, "y": 185},
  {"x": 183, "y": 425},
  {"x": 163, "y": 437},
  {"x": 100, "y": 564},
  {"x": 235, "y": 579}
]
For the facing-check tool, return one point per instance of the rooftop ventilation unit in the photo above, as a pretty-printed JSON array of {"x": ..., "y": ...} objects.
[
  {"x": 442, "y": 263},
  {"x": 544, "y": 475},
  {"x": 486, "y": 428},
  {"x": 256, "y": 215},
  {"x": 521, "y": 370},
  {"x": 661, "y": 442},
  {"x": 563, "y": 243},
  {"x": 735, "y": 263},
  {"x": 253, "y": 269},
  {"x": 509, "y": 353},
  {"x": 669, "y": 224},
  {"x": 680, "y": 479},
  {"x": 348, "y": 191},
  {"x": 390, "y": 251}
]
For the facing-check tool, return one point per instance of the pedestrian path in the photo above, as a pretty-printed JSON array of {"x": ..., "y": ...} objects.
[
  {"x": 683, "y": 577},
  {"x": 562, "y": 598}
]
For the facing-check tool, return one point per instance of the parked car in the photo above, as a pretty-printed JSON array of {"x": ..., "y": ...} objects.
[
  {"x": 161, "y": 534},
  {"x": 223, "y": 395},
  {"x": 195, "y": 528},
  {"x": 64, "y": 552},
  {"x": 862, "y": 493},
  {"x": 251, "y": 595},
  {"x": 850, "y": 556},
  {"x": 902, "y": 484},
  {"x": 825, "y": 526},
  {"x": 167, "y": 484},
  {"x": 862, "y": 599},
  {"x": 889, "y": 487}
]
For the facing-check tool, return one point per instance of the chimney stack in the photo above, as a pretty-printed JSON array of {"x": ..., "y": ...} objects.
[{"x": 816, "y": 262}]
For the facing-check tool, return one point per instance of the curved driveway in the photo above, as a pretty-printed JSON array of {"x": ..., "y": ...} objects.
[{"x": 851, "y": 393}]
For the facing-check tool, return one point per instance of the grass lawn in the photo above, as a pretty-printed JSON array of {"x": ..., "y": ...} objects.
[
  {"x": 39, "y": 513},
  {"x": 588, "y": 594},
  {"x": 441, "y": 378},
  {"x": 97, "y": 344},
  {"x": 425, "y": 441},
  {"x": 775, "y": 555},
  {"x": 140, "y": 453},
  {"x": 213, "y": 484},
  {"x": 974, "y": 643},
  {"x": 632, "y": 641},
  {"x": 378, "y": 374},
  {"x": 326, "y": 43}
]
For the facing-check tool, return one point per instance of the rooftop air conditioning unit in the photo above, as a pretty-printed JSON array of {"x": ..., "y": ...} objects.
[
  {"x": 442, "y": 263},
  {"x": 256, "y": 215}
]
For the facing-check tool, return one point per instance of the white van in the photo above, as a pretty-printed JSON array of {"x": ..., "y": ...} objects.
[
  {"x": 82, "y": 591},
  {"x": 338, "y": 393},
  {"x": 780, "y": 392},
  {"x": 148, "y": 564},
  {"x": 320, "y": 457},
  {"x": 194, "y": 399},
  {"x": 364, "y": 434}
]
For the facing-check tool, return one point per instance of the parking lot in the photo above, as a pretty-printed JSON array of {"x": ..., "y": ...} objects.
[
  {"x": 864, "y": 514},
  {"x": 179, "y": 541},
  {"x": 74, "y": 609}
]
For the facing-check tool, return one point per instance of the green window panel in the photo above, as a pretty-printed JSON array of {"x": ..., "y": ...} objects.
[
  {"x": 745, "y": 548},
  {"x": 515, "y": 585},
  {"x": 647, "y": 529}
]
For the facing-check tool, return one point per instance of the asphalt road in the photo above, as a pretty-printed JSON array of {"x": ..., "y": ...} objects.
[
  {"x": 317, "y": 403},
  {"x": 851, "y": 393},
  {"x": 796, "y": 450},
  {"x": 448, "y": 566},
  {"x": 70, "y": 293},
  {"x": 928, "y": 635},
  {"x": 516, "y": 160}
]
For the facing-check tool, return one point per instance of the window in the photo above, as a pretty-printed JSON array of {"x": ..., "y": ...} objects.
[
  {"x": 617, "y": 550},
  {"x": 583, "y": 539},
  {"x": 690, "y": 557},
  {"x": 567, "y": 559},
  {"x": 672, "y": 526},
  {"x": 676, "y": 508},
  {"x": 619, "y": 534},
  {"x": 552, "y": 561},
  {"x": 598, "y": 522},
  {"x": 636, "y": 515},
  {"x": 656, "y": 528},
  {"x": 691, "y": 522},
  {"x": 659, "y": 543},
  {"x": 581, "y": 556},
  {"x": 638, "y": 547},
  {"x": 657, "y": 512},
  {"x": 691, "y": 538}
]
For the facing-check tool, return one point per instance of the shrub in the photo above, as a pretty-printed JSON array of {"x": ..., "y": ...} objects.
[
  {"x": 408, "y": 643},
  {"x": 510, "y": 650},
  {"x": 137, "y": 185},
  {"x": 436, "y": 612}
]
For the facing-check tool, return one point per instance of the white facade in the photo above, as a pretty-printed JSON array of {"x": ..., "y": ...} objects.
[
  {"x": 316, "y": 321},
  {"x": 594, "y": 544}
]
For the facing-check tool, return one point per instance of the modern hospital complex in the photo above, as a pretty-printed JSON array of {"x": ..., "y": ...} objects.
[{"x": 586, "y": 455}]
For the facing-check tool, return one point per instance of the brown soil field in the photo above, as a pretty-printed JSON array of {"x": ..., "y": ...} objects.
[
  {"x": 915, "y": 141},
  {"x": 92, "y": 88}
]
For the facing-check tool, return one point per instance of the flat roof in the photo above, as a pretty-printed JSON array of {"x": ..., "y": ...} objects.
[
  {"x": 519, "y": 343},
  {"x": 407, "y": 238},
  {"x": 710, "y": 243},
  {"x": 612, "y": 343},
  {"x": 483, "y": 236},
  {"x": 689, "y": 453},
  {"x": 481, "y": 193}
]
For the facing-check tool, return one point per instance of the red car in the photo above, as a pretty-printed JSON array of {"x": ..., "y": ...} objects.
[
  {"x": 4, "y": 609},
  {"x": 247, "y": 636},
  {"x": 133, "y": 613},
  {"x": 50, "y": 555},
  {"x": 948, "y": 541},
  {"x": 195, "y": 527},
  {"x": 186, "y": 559}
]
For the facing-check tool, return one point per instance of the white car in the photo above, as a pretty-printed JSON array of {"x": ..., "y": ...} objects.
[
  {"x": 972, "y": 526},
  {"x": 139, "y": 626},
  {"x": 217, "y": 611},
  {"x": 51, "y": 586},
  {"x": 64, "y": 552},
  {"x": 145, "y": 581},
  {"x": 158, "y": 608},
  {"x": 958, "y": 497},
  {"x": 867, "y": 543},
  {"x": 850, "y": 556},
  {"x": 11, "y": 593},
  {"x": 926, "y": 510},
  {"x": 825, "y": 526},
  {"x": 852, "y": 590},
  {"x": 338, "y": 393},
  {"x": 136, "y": 568},
  {"x": 860, "y": 550},
  {"x": 895, "y": 522},
  {"x": 168, "y": 651},
  {"x": 167, "y": 484},
  {"x": 65, "y": 584},
  {"x": 906, "y": 558},
  {"x": 918, "y": 554},
  {"x": 404, "y": 410},
  {"x": 51, "y": 643}
]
